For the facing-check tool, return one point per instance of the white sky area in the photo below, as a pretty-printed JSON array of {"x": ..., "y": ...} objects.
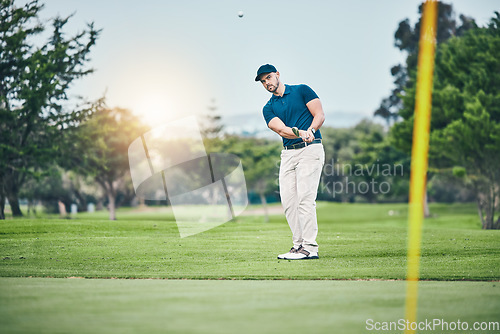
[{"x": 169, "y": 59}]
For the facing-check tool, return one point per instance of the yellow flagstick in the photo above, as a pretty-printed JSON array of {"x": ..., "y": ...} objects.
[{"x": 419, "y": 155}]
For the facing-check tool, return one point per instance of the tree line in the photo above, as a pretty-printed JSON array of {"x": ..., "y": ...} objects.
[
  {"x": 53, "y": 153},
  {"x": 465, "y": 123}
]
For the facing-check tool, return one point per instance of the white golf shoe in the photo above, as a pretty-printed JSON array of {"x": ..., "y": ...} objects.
[
  {"x": 292, "y": 251},
  {"x": 301, "y": 254}
]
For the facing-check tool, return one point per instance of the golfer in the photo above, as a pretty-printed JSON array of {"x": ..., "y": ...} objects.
[{"x": 295, "y": 113}]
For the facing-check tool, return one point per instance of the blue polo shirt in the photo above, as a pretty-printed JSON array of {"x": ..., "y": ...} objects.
[{"x": 292, "y": 110}]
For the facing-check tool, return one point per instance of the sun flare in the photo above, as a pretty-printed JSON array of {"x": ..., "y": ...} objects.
[{"x": 154, "y": 109}]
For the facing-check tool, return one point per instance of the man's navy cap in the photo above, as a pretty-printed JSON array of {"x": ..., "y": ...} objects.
[{"x": 267, "y": 68}]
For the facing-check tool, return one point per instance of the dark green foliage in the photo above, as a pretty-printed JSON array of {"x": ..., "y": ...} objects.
[
  {"x": 465, "y": 124},
  {"x": 361, "y": 164},
  {"x": 33, "y": 85},
  {"x": 406, "y": 40},
  {"x": 260, "y": 160},
  {"x": 98, "y": 148}
]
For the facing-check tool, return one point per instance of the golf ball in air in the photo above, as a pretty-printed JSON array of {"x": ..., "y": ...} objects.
[{"x": 240, "y": 13}]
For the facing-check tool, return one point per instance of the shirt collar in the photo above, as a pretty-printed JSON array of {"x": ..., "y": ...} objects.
[{"x": 286, "y": 92}]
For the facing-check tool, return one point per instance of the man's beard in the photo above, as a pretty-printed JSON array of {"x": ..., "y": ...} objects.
[{"x": 273, "y": 90}]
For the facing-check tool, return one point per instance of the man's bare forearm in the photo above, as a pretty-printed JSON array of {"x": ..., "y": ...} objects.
[{"x": 318, "y": 121}]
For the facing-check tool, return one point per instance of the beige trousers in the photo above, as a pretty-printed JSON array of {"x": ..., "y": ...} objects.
[{"x": 299, "y": 176}]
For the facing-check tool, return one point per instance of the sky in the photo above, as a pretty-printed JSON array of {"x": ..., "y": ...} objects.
[{"x": 168, "y": 59}]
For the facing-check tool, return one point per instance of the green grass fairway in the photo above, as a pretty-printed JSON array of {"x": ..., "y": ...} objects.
[
  {"x": 356, "y": 241},
  {"x": 41, "y": 305},
  {"x": 359, "y": 241}
]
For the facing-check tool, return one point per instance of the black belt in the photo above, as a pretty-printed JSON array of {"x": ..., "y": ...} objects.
[{"x": 302, "y": 145}]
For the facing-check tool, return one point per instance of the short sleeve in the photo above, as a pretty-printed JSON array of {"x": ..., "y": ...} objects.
[
  {"x": 307, "y": 93},
  {"x": 268, "y": 112}
]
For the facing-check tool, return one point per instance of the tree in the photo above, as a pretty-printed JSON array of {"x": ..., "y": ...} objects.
[
  {"x": 99, "y": 148},
  {"x": 406, "y": 40},
  {"x": 465, "y": 125},
  {"x": 340, "y": 147},
  {"x": 260, "y": 161},
  {"x": 361, "y": 162},
  {"x": 379, "y": 165},
  {"x": 392, "y": 108},
  {"x": 211, "y": 128},
  {"x": 211, "y": 123},
  {"x": 33, "y": 85},
  {"x": 57, "y": 185}
]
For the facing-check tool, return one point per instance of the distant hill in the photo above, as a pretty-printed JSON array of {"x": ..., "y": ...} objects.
[{"x": 253, "y": 124}]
